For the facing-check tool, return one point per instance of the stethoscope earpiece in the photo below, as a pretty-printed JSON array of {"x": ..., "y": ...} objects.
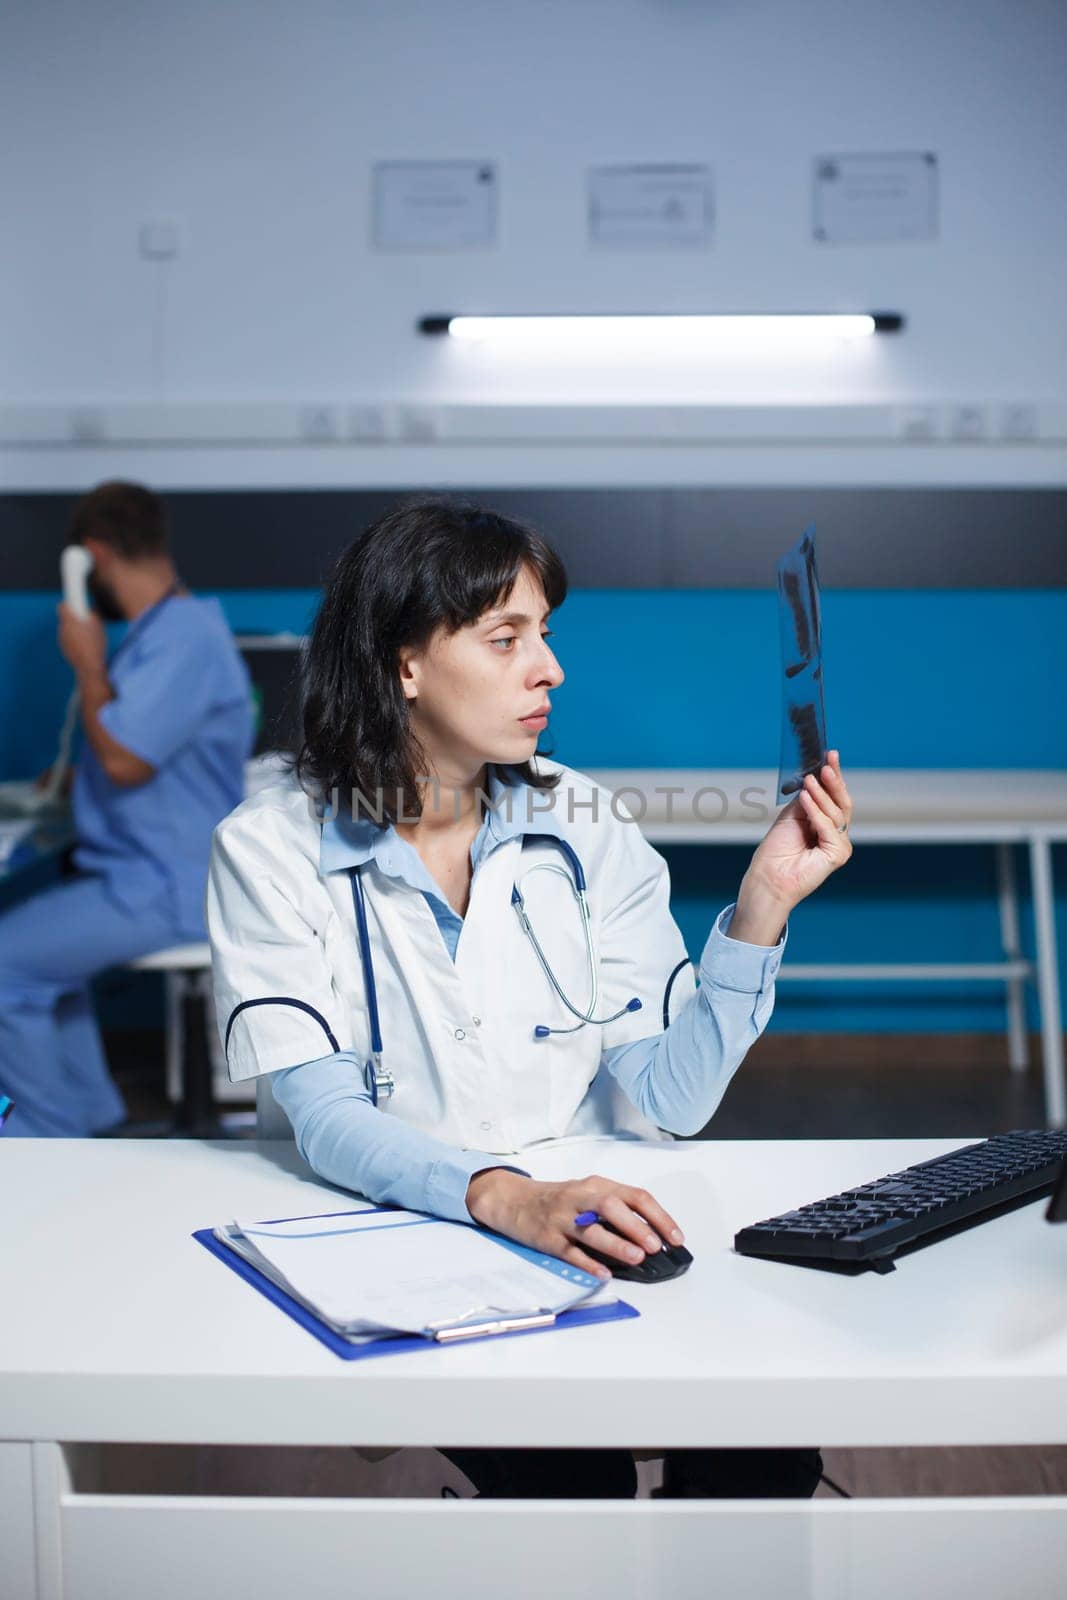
[{"x": 541, "y": 1032}]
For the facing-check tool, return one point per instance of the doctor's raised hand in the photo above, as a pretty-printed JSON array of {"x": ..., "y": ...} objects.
[{"x": 807, "y": 841}]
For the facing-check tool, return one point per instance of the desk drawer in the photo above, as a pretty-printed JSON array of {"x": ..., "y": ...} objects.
[{"x": 171, "y": 1547}]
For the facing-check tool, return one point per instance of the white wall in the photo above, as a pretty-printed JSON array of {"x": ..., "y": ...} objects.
[{"x": 254, "y": 123}]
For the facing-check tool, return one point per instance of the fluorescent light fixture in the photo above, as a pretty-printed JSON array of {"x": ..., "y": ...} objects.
[{"x": 671, "y": 330}]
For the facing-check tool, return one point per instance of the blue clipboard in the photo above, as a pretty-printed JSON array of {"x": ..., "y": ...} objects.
[{"x": 394, "y": 1344}]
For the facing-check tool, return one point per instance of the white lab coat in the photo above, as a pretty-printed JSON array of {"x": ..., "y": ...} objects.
[{"x": 458, "y": 1037}]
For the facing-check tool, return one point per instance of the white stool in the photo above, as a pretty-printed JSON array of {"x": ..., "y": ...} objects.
[{"x": 186, "y": 971}]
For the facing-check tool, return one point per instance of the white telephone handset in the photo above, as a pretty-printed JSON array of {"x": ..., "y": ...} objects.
[
  {"x": 75, "y": 564},
  {"x": 24, "y": 798}
]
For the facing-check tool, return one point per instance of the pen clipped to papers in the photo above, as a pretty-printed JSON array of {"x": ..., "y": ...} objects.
[{"x": 377, "y": 1272}]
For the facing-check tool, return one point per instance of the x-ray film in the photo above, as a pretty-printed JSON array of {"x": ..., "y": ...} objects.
[{"x": 803, "y": 746}]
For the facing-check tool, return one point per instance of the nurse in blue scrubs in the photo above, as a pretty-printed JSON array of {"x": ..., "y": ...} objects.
[{"x": 167, "y": 725}]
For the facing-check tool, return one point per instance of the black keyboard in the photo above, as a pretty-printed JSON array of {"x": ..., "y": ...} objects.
[{"x": 866, "y": 1227}]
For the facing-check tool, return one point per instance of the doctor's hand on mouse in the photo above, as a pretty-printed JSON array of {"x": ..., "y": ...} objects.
[
  {"x": 543, "y": 1215},
  {"x": 807, "y": 841}
]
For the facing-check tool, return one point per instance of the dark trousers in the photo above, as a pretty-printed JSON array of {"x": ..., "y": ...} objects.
[{"x": 612, "y": 1474}]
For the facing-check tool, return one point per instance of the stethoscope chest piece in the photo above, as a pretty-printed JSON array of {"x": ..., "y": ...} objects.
[{"x": 380, "y": 1082}]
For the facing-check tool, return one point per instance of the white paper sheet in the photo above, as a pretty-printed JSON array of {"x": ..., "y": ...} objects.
[
  {"x": 434, "y": 205},
  {"x": 367, "y": 1271},
  {"x": 659, "y": 207},
  {"x": 875, "y": 199}
]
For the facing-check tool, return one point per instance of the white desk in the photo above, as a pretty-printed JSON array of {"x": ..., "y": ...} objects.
[
  {"x": 898, "y": 806},
  {"x": 117, "y": 1326}
]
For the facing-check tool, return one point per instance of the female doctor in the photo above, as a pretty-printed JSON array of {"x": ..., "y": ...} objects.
[{"x": 444, "y": 948}]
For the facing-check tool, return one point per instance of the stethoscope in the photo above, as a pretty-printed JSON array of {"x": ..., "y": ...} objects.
[{"x": 379, "y": 1080}]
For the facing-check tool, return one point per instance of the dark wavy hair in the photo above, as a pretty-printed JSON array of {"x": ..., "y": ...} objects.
[{"x": 426, "y": 563}]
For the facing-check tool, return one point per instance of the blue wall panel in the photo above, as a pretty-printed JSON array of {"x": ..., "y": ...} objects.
[{"x": 939, "y": 678}]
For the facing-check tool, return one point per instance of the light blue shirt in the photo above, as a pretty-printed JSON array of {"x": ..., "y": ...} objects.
[
  {"x": 675, "y": 1078},
  {"x": 182, "y": 703}
]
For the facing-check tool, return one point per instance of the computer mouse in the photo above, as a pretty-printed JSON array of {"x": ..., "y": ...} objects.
[{"x": 670, "y": 1261}]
